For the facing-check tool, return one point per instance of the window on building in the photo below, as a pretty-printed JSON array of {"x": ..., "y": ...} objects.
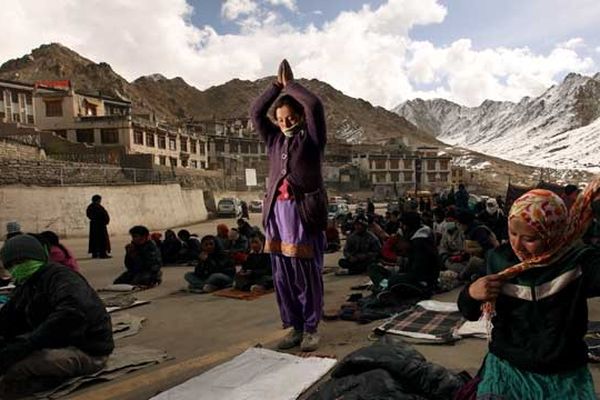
[
  {"x": 173, "y": 161},
  {"x": 54, "y": 108},
  {"x": 408, "y": 164},
  {"x": 431, "y": 165},
  {"x": 443, "y": 164},
  {"x": 172, "y": 144},
  {"x": 194, "y": 164},
  {"x": 379, "y": 164},
  {"x": 2, "y": 114},
  {"x": 16, "y": 117},
  {"x": 395, "y": 176},
  {"x": 184, "y": 144},
  {"x": 202, "y": 149},
  {"x": 15, "y": 97},
  {"x": 138, "y": 137},
  {"x": 431, "y": 177},
  {"x": 254, "y": 148},
  {"x": 394, "y": 164},
  {"x": 30, "y": 119},
  {"x": 408, "y": 176},
  {"x": 244, "y": 148},
  {"x": 193, "y": 147},
  {"x": 85, "y": 135},
  {"x": 219, "y": 146},
  {"x": 233, "y": 147},
  {"x": 162, "y": 142},
  {"x": 150, "y": 139},
  {"x": 62, "y": 133},
  {"x": 381, "y": 177},
  {"x": 162, "y": 160},
  {"x": 109, "y": 136},
  {"x": 28, "y": 99},
  {"x": 444, "y": 177}
]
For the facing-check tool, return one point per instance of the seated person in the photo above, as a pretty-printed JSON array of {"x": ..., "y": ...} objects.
[
  {"x": 347, "y": 225},
  {"x": 376, "y": 229},
  {"x": 452, "y": 245},
  {"x": 361, "y": 249},
  {"x": 244, "y": 228},
  {"x": 439, "y": 223},
  {"x": 238, "y": 246},
  {"x": 393, "y": 224},
  {"x": 333, "y": 237},
  {"x": 479, "y": 240},
  {"x": 170, "y": 248},
  {"x": 156, "y": 237},
  {"x": 190, "y": 247},
  {"x": 391, "y": 252},
  {"x": 256, "y": 273},
  {"x": 54, "y": 327},
  {"x": 57, "y": 252},
  {"x": 214, "y": 270},
  {"x": 495, "y": 219},
  {"x": 223, "y": 236},
  {"x": 418, "y": 277},
  {"x": 142, "y": 260}
]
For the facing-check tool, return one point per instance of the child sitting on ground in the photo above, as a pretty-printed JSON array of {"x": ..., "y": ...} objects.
[
  {"x": 142, "y": 260},
  {"x": 214, "y": 270},
  {"x": 57, "y": 252},
  {"x": 256, "y": 274}
]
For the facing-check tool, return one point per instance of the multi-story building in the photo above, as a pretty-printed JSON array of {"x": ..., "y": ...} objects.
[{"x": 98, "y": 120}]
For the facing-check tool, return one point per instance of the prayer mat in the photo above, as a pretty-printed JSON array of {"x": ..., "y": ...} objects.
[
  {"x": 125, "y": 325},
  {"x": 427, "y": 322},
  {"x": 122, "y": 302},
  {"x": 256, "y": 374},
  {"x": 241, "y": 295},
  {"x": 121, "y": 362}
]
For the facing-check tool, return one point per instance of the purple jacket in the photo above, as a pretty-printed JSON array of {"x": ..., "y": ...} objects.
[{"x": 299, "y": 158}]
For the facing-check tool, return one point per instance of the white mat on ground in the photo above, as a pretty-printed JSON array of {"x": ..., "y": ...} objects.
[{"x": 256, "y": 374}]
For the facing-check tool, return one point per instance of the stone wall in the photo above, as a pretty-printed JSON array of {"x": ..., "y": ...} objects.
[
  {"x": 13, "y": 149},
  {"x": 62, "y": 209}
]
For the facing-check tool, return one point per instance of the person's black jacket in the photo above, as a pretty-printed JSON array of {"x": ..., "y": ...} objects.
[
  {"x": 542, "y": 334},
  {"x": 99, "y": 241},
  {"x": 143, "y": 258},
  {"x": 461, "y": 199},
  {"x": 56, "y": 308},
  {"x": 169, "y": 250},
  {"x": 191, "y": 249},
  {"x": 497, "y": 222},
  {"x": 259, "y": 264},
  {"x": 217, "y": 262},
  {"x": 423, "y": 264}
]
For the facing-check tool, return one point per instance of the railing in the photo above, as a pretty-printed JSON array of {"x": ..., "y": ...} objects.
[{"x": 68, "y": 175}]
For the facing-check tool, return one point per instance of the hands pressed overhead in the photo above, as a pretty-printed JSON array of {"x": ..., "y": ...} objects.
[{"x": 284, "y": 74}]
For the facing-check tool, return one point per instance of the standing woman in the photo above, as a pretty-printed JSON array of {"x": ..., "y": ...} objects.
[{"x": 295, "y": 211}]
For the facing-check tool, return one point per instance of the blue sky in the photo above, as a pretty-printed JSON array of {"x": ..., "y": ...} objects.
[{"x": 466, "y": 51}]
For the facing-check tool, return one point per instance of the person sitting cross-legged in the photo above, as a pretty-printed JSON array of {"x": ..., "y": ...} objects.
[
  {"x": 214, "y": 270},
  {"x": 256, "y": 273},
  {"x": 53, "y": 328},
  {"x": 361, "y": 249},
  {"x": 142, "y": 260}
]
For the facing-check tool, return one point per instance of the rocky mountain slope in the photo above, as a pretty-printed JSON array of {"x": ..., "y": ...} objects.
[
  {"x": 558, "y": 129},
  {"x": 174, "y": 100}
]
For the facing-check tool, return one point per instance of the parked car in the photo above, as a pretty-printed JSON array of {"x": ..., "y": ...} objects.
[
  {"x": 229, "y": 207},
  {"x": 256, "y": 206},
  {"x": 338, "y": 211}
]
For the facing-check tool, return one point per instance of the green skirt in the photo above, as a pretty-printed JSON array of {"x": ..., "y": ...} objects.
[{"x": 502, "y": 381}]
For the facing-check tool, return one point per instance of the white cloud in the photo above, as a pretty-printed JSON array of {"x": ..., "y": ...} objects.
[
  {"x": 572, "y": 44},
  {"x": 289, "y": 4},
  {"x": 233, "y": 9},
  {"x": 317, "y": 12},
  {"x": 366, "y": 53}
]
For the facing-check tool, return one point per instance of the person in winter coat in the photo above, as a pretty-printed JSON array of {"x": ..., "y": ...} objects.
[
  {"x": 536, "y": 294},
  {"x": 479, "y": 240},
  {"x": 170, "y": 248},
  {"x": 461, "y": 197},
  {"x": 332, "y": 234},
  {"x": 493, "y": 217},
  {"x": 53, "y": 328},
  {"x": 99, "y": 242},
  {"x": 214, "y": 270},
  {"x": 57, "y": 252},
  {"x": 256, "y": 273},
  {"x": 190, "y": 247},
  {"x": 142, "y": 260},
  {"x": 362, "y": 249},
  {"x": 295, "y": 207},
  {"x": 452, "y": 246}
]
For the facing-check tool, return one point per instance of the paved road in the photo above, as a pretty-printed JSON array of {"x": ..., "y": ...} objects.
[{"x": 203, "y": 330}]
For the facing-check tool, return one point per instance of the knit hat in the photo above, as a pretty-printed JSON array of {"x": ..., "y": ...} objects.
[
  {"x": 361, "y": 219},
  {"x": 13, "y": 227},
  {"x": 22, "y": 247}
]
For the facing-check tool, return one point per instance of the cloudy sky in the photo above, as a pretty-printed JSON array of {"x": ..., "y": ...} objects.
[{"x": 385, "y": 51}]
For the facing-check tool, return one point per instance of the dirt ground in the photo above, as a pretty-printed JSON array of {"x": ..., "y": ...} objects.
[{"x": 200, "y": 331}]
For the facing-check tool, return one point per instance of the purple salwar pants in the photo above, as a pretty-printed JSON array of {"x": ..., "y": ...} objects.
[{"x": 297, "y": 261}]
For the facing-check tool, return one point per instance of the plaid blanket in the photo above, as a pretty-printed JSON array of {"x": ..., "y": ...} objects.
[{"x": 420, "y": 323}]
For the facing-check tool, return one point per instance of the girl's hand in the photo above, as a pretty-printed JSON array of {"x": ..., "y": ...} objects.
[
  {"x": 285, "y": 74},
  {"x": 486, "y": 288}
]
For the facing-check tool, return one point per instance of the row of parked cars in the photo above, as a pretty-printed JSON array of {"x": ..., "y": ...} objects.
[{"x": 232, "y": 207}]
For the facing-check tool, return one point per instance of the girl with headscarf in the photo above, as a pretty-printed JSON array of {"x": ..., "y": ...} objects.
[
  {"x": 214, "y": 270},
  {"x": 536, "y": 296},
  {"x": 295, "y": 206}
]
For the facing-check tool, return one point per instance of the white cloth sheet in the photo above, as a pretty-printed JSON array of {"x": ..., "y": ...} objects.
[{"x": 256, "y": 374}]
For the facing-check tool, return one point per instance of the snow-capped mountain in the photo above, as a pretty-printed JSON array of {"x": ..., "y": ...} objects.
[{"x": 559, "y": 129}]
